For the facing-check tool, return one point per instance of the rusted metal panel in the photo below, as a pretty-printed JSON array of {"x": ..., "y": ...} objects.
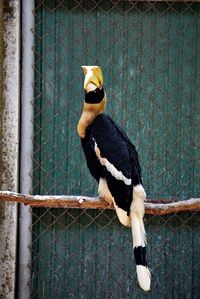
[{"x": 9, "y": 119}]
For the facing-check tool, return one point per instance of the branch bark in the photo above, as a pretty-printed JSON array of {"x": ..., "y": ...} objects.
[{"x": 83, "y": 202}]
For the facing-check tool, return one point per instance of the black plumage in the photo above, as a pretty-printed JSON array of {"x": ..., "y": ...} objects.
[
  {"x": 95, "y": 96},
  {"x": 116, "y": 147}
]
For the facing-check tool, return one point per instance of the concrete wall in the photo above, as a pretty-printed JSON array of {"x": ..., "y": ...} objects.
[{"x": 9, "y": 139}]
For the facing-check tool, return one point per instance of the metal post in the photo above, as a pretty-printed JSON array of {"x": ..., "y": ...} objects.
[{"x": 25, "y": 215}]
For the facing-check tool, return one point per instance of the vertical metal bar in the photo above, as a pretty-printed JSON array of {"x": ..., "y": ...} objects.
[
  {"x": 25, "y": 216},
  {"x": 9, "y": 136}
]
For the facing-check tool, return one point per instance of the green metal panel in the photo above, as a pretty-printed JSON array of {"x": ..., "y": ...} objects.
[
  {"x": 151, "y": 67},
  {"x": 88, "y": 254},
  {"x": 149, "y": 53}
]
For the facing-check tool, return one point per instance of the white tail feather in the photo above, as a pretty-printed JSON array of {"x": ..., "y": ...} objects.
[
  {"x": 138, "y": 233},
  {"x": 144, "y": 277},
  {"x": 137, "y": 214}
]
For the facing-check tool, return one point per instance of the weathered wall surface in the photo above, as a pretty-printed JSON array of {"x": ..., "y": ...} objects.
[{"x": 9, "y": 140}]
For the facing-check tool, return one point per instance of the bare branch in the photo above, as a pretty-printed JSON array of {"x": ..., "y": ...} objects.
[
  {"x": 192, "y": 204},
  {"x": 83, "y": 202}
]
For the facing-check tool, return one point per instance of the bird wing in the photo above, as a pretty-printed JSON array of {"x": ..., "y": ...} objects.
[{"x": 119, "y": 159}]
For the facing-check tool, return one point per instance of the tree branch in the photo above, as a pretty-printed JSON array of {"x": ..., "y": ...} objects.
[{"x": 83, "y": 202}]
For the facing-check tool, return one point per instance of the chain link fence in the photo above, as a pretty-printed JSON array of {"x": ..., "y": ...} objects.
[{"x": 149, "y": 53}]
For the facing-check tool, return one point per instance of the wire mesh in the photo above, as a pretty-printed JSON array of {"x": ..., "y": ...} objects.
[{"x": 149, "y": 55}]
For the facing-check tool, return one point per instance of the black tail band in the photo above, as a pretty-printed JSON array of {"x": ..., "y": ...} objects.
[{"x": 140, "y": 256}]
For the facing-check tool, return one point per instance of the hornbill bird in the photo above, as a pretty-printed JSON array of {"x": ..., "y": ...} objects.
[{"x": 113, "y": 161}]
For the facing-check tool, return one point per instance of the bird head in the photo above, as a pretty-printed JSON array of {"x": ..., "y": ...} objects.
[{"x": 95, "y": 97}]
